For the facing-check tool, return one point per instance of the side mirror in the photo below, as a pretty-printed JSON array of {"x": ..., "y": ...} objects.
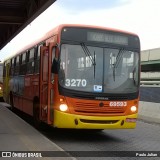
[{"x": 55, "y": 66}]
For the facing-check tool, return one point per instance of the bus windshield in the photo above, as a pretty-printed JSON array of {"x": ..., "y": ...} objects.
[{"x": 97, "y": 69}]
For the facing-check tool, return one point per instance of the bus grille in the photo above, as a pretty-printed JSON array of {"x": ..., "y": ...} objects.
[{"x": 95, "y": 108}]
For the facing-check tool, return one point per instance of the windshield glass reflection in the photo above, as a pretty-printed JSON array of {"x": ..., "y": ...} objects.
[{"x": 104, "y": 70}]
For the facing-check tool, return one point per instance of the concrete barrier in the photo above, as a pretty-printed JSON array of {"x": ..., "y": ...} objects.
[{"x": 149, "y": 111}]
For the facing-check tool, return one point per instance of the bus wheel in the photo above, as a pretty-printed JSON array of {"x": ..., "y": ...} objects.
[{"x": 36, "y": 114}]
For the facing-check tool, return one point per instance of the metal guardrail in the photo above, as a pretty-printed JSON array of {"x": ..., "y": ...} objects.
[{"x": 150, "y": 82}]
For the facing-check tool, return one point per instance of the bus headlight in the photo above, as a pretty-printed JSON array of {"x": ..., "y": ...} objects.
[
  {"x": 133, "y": 108},
  {"x": 63, "y": 107}
]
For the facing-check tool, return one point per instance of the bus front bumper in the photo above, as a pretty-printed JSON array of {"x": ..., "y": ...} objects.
[{"x": 65, "y": 120}]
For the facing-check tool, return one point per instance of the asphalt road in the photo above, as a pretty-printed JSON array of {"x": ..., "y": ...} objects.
[{"x": 146, "y": 137}]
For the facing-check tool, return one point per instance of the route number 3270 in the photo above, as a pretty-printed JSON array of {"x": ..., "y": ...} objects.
[{"x": 76, "y": 82}]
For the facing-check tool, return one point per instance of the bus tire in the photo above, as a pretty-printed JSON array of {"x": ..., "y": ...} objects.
[{"x": 36, "y": 114}]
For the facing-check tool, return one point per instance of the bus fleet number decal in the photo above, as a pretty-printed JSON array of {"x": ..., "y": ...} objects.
[
  {"x": 118, "y": 104},
  {"x": 76, "y": 82}
]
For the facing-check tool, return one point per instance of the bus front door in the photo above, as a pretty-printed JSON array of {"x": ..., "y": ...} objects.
[{"x": 44, "y": 85}]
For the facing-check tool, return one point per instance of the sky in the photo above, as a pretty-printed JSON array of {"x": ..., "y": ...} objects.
[{"x": 138, "y": 16}]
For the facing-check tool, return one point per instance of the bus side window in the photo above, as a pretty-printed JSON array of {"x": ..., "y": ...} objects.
[
  {"x": 20, "y": 64},
  {"x": 39, "y": 50},
  {"x": 9, "y": 71},
  {"x": 23, "y": 58},
  {"x": 37, "y": 58},
  {"x": 30, "y": 65},
  {"x": 17, "y": 65},
  {"x": 17, "y": 61},
  {"x": 23, "y": 64},
  {"x": 12, "y": 67},
  {"x": 4, "y": 69}
]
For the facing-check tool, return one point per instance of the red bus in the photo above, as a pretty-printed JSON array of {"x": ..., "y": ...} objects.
[{"x": 77, "y": 76}]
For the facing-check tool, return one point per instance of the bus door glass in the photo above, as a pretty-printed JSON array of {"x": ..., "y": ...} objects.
[
  {"x": 53, "y": 51},
  {"x": 47, "y": 83},
  {"x": 44, "y": 82}
]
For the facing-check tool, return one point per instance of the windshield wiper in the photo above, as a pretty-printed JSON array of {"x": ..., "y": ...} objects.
[
  {"x": 134, "y": 78},
  {"x": 88, "y": 54},
  {"x": 118, "y": 58}
]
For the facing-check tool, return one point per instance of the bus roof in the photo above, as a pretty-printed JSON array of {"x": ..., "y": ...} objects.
[{"x": 58, "y": 29}]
